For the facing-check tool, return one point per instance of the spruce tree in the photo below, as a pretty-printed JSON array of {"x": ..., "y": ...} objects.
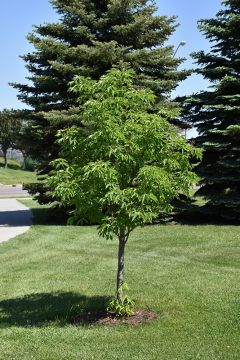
[
  {"x": 216, "y": 113},
  {"x": 91, "y": 37}
]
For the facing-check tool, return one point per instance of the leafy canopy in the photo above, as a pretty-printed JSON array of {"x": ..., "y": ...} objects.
[
  {"x": 9, "y": 128},
  {"x": 125, "y": 164}
]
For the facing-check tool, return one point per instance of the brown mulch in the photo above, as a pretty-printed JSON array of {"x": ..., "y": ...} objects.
[{"x": 106, "y": 318}]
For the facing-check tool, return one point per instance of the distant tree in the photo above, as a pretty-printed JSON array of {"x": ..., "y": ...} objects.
[
  {"x": 125, "y": 165},
  {"x": 216, "y": 113},
  {"x": 9, "y": 129},
  {"x": 91, "y": 37},
  {"x": 24, "y": 140}
]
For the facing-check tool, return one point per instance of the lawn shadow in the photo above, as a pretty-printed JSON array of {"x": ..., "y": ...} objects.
[
  {"x": 43, "y": 309},
  {"x": 198, "y": 216},
  {"x": 49, "y": 216},
  {"x": 11, "y": 166}
]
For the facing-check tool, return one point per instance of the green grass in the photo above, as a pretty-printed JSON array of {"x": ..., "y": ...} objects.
[
  {"x": 13, "y": 174},
  {"x": 190, "y": 275}
]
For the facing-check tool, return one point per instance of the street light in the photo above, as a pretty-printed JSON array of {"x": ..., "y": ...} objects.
[{"x": 182, "y": 43}]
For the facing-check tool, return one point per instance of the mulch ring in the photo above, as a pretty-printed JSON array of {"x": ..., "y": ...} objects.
[{"x": 106, "y": 318}]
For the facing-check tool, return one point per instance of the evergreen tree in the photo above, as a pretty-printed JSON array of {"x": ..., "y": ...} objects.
[
  {"x": 216, "y": 113},
  {"x": 90, "y": 38}
]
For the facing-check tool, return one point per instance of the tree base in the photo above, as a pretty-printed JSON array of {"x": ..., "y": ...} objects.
[{"x": 109, "y": 319}]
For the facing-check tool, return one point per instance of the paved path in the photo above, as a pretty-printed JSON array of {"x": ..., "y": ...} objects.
[
  {"x": 15, "y": 219},
  {"x": 9, "y": 191}
]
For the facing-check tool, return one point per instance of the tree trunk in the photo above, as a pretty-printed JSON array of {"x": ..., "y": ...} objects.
[
  {"x": 24, "y": 165},
  {"x": 120, "y": 272},
  {"x": 5, "y": 158}
]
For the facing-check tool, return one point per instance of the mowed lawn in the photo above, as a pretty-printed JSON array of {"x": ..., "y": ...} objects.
[
  {"x": 13, "y": 174},
  {"x": 190, "y": 275}
]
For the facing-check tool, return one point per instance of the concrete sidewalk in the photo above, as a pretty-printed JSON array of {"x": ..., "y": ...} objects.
[
  {"x": 15, "y": 219},
  {"x": 9, "y": 191}
]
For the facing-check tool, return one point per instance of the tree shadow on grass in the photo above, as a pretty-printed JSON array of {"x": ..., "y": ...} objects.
[
  {"x": 49, "y": 216},
  {"x": 43, "y": 309},
  {"x": 10, "y": 166},
  {"x": 53, "y": 216},
  {"x": 197, "y": 216}
]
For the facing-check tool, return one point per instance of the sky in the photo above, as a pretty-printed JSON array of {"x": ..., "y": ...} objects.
[{"x": 17, "y": 18}]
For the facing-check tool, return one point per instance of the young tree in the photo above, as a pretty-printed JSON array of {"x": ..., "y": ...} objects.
[
  {"x": 9, "y": 128},
  {"x": 215, "y": 113},
  {"x": 90, "y": 38},
  {"x": 125, "y": 165}
]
